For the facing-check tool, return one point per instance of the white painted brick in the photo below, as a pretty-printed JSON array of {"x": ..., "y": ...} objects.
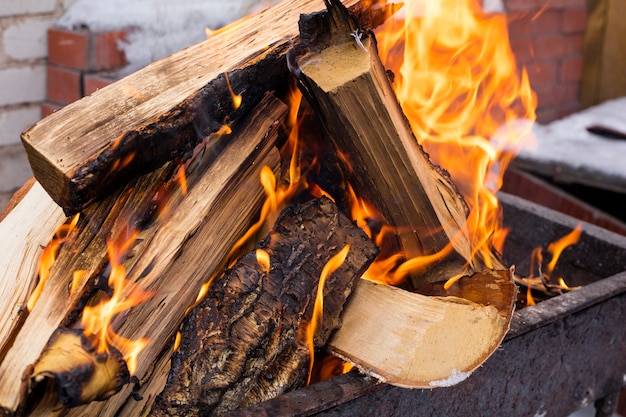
[
  {"x": 19, "y": 7},
  {"x": 14, "y": 122},
  {"x": 14, "y": 168},
  {"x": 27, "y": 39},
  {"x": 22, "y": 85}
]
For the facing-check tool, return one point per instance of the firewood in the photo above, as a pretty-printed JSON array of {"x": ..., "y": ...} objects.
[
  {"x": 416, "y": 341},
  {"x": 172, "y": 257},
  {"x": 403, "y": 338},
  {"x": 29, "y": 222},
  {"x": 342, "y": 76},
  {"x": 254, "y": 317},
  {"x": 162, "y": 111}
]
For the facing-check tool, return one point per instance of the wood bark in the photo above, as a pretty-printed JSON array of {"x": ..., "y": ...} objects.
[
  {"x": 174, "y": 254},
  {"x": 342, "y": 76},
  {"x": 161, "y": 112},
  {"x": 245, "y": 342}
]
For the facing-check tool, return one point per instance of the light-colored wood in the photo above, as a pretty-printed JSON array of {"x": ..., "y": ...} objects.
[
  {"x": 26, "y": 229},
  {"x": 352, "y": 94},
  {"x": 59, "y": 145},
  {"x": 415, "y": 341},
  {"x": 181, "y": 251}
]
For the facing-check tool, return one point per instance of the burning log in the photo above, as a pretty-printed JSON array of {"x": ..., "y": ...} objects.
[
  {"x": 256, "y": 315},
  {"x": 162, "y": 111},
  {"x": 341, "y": 74},
  {"x": 339, "y": 70},
  {"x": 170, "y": 255},
  {"x": 22, "y": 240}
]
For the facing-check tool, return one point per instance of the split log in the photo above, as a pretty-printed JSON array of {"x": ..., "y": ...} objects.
[
  {"x": 342, "y": 76},
  {"x": 245, "y": 342},
  {"x": 172, "y": 256},
  {"x": 29, "y": 222},
  {"x": 416, "y": 341},
  {"x": 162, "y": 111}
]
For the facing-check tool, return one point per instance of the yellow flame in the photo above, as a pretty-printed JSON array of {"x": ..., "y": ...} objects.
[
  {"x": 97, "y": 319},
  {"x": 263, "y": 258},
  {"x": 557, "y": 247},
  {"x": 331, "y": 266},
  {"x": 235, "y": 97},
  {"x": 48, "y": 256},
  {"x": 457, "y": 82}
]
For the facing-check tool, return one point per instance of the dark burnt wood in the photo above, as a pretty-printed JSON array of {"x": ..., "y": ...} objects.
[{"x": 245, "y": 342}]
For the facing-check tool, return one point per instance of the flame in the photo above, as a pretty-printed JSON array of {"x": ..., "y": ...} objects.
[
  {"x": 235, "y": 97},
  {"x": 48, "y": 256},
  {"x": 182, "y": 179},
  {"x": 331, "y": 266},
  {"x": 457, "y": 82},
  {"x": 278, "y": 195},
  {"x": 542, "y": 281},
  {"x": 98, "y": 320},
  {"x": 263, "y": 258},
  {"x": 557, "y": 247}
]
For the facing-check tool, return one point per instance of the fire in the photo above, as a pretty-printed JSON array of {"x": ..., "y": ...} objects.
[
  {"x": 235, "y": 97},
  {"x": 98, "y": 320},
  {"x": 542, "y": 281},
  {"x": 331, "y": 266},
  {"x": 48, "y": 256},
  {"x": 457, "y": 82}
]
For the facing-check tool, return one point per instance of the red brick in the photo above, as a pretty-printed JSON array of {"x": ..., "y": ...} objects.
[
  {"x": 68, "y": 48},
  {"x": 546, "y": 21},
  {"x": 63, "y": 85},
  {"x": 571, "y": 69},
  {"x": 47, "y": 108},
  {"x": 574, "y": 21},
  {"x": 536, "y": 5},
  {"x": 542, "y": 73},
  {"x": 557, "y": 94},
  {"x": 519, "y": 25},
  {"x": 107, "y": 54},
  {"x": 557, "y": 46},
  {"x": 523, "y": 49},
  {"x": 94, "y": 82}
]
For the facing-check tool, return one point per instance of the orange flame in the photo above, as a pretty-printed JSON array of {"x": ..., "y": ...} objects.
[
  {"x": 263, "y": 258},
  {"x": 48, "y": 256},
  {"x": 235, "y": 97},
  {"x": 331, "y": 266},
  {"x": 557, "y": 247},
  {"x": 98, "y": 320},
  {"x": 457, "y": 82}
]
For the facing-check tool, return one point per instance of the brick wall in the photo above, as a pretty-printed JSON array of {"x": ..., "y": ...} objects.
[
  {"x": 23, "y": 51},
  {"x": 547, "y": 37}
]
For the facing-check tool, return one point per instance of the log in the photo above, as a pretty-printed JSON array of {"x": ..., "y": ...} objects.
[
  {"x": 261, "y": 338},
  {"x": 341, "y": 75},
  {"x": 161, "y": 112},
  {"x": 402, "y": 338},
  {"x": 28, "y": 223},
  {"x": 417, "y": 341},
  {"x": 177, "y": 249}
]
